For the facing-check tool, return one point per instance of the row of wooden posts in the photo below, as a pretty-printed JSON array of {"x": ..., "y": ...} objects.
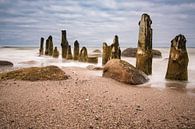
[
  {"x": 178, "y": 58},
  {"x": 80, "y": 55}
]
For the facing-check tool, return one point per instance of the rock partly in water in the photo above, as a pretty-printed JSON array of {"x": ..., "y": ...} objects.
[
  {"x": 96, "y": 51},
  {"x": 35, "y": 74},
  {"x": 144, "y": 51},
  {"x": 124, "y": 72},
  {"x": 83, "y": 56},
  {"x": 92, "y": 59},
  {"x": 5, "y": 63},
  {"x": 55, "y": 53},
  {"x": 178, "y": 60},
  {"x": 131, "y": 52},
  {"x": 76, "y": 50},
  {"x": 64, "y": 44},
  {"x": 41, "y": 46}
]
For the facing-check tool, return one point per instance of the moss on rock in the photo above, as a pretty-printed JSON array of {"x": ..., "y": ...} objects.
[{"x": 35, "y": 74}]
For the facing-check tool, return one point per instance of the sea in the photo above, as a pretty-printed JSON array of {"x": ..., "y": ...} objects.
[{"x": 28, "y": 56}]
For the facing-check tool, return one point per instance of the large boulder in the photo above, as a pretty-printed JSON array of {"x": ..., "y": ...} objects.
[
  {"x": 35, "y": 74},
  {"x": 5, "y": 63},
  {"x": 131, "y": 52},
  {"x": 124, "y": 72}
]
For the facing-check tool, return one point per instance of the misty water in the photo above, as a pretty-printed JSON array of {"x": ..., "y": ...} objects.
[{"x": 27, "y": 57}]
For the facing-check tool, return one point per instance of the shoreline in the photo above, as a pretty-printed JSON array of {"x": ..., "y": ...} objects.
[{"x": 86, "y": 100}]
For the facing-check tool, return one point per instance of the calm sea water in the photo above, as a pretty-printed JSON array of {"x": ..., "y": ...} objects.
[{"x": 27, "y": 57}]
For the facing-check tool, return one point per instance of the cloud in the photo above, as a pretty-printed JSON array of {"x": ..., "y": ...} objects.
[{"x": 94, "y": 22}]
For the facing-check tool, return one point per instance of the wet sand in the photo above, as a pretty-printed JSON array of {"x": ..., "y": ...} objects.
[{"x": 89, "y": 101}]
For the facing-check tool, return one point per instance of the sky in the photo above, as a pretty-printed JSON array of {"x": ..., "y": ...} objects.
[{"x": 92, "y": 22}]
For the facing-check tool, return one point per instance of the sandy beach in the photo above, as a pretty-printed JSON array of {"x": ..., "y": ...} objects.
[{"x": 87, "y": 100}]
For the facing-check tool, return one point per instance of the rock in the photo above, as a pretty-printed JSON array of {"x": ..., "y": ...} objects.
[
  {"x": 5, "y": 63},
  {"x": 124, "y": 72},
  {"x": 35, "y": 74},
  {"x": 93, "y": 67},
  {"x": 92, "y": 59},
  {"x": 144, "y": 51},
  {"x": 55, "y": 53},
  {"x": 97, "y": 51},
  {"x": 178, "y": 60},
  {"x": 83, "y": 56},
  {"x": 106, "y": 53},
  {"x": 64, "y": 44},
  {"x": 131, "y": 52},
  {"x": 156, "y": 54},
  {"x": 41, "y": 46},
  {"x": 69, "y": 53},
  {"x": 76, "y": 50}
]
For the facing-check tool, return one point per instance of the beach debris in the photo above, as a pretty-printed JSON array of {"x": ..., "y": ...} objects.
[
  {"x": 55, "y": 53},
  {"x": 69, "y": 53},
  {"x": 41, "y": 46},
  {"x": 131, "y": 52},
  {"x": 83, "y": 56},
  {"x": 124, "y": 72},
  {"x": 178, "y": 60},
  {"x": 93, "y": 67},
  {"x": 76, "y": 50},
  {"x": 106, "y": 53},
  {"x": 49, "y": 46},
  {"x": 92, "y": 59},
  {"x": 64, "y": 44},
  {"x": 111, "y": 52},
  {"x": 35, "y": 74},
  {"x": 5, "y": 63},
  {"x": 144, "y": 50}
]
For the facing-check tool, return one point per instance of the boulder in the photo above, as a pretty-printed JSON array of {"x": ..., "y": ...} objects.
[
  {"x": 144, "y": 50},
  {"x": 96, "y": 51},
  {"x": 5, "y": 63},
  {"x": 124, "y": 72},
  {"x": 178, "y": 60},
  {"x": 35, "y": 74},
  {"x": 92, "y": 59},
  {"x": 131, "y": 52}
]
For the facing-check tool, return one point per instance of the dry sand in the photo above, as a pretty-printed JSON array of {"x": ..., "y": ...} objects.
[{"x": 89, "y": 101}]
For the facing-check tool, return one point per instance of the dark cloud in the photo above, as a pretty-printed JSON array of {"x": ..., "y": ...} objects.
[{"x": 93, "y": 22}]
